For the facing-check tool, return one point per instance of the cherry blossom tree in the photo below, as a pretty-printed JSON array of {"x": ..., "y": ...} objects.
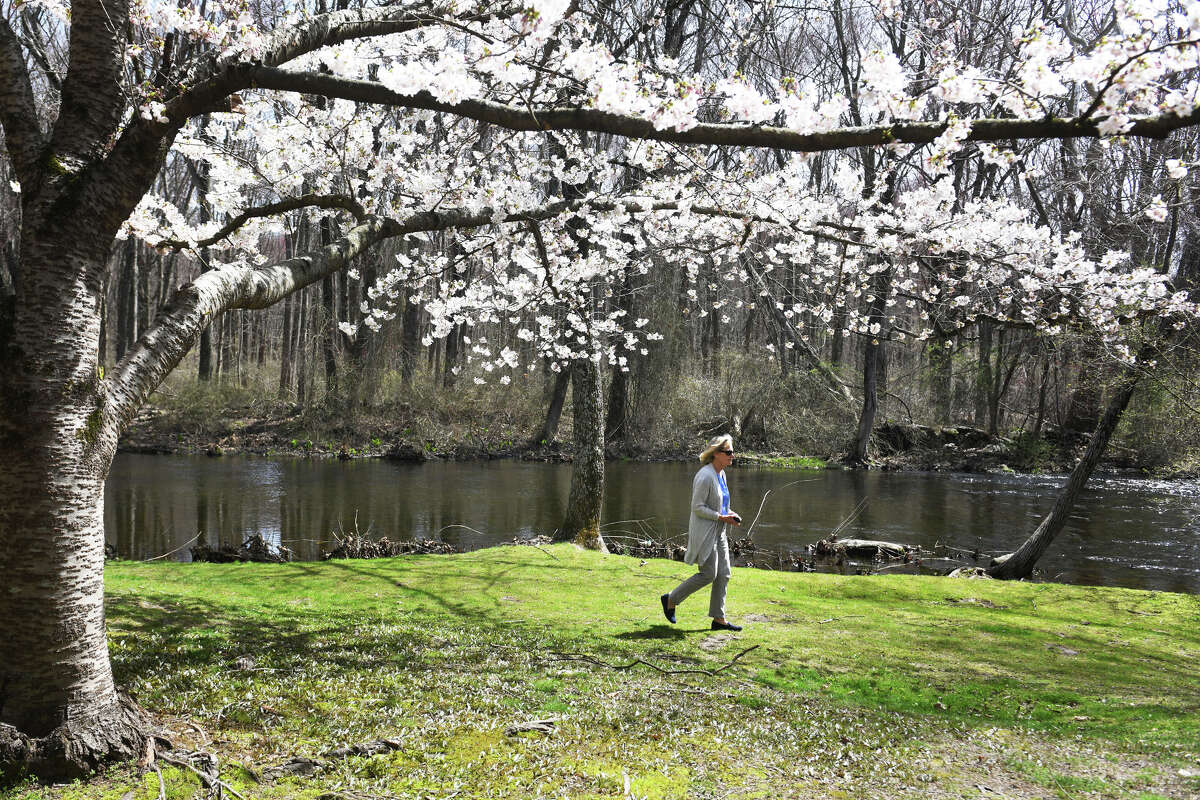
[{"x": 402, "y": 120}]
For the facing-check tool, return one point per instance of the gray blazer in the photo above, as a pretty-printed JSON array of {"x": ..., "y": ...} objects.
[{"x": 703, "y": 528}]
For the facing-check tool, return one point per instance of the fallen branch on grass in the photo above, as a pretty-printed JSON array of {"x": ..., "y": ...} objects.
[
  {"x": 621, "y": 667},
  {"x": 208, "y": 776},
  {"x": 545, "y": 726},
  {"x": 310, "y": 766}
]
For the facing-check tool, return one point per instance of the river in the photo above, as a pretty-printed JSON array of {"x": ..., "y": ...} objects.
[{"x": 1141, "y": 534}]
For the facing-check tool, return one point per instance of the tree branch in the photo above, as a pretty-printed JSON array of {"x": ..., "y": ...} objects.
[
  {"x": 93, "y": 94},
  {"x": 550, "y": 118},
  {"x": 194, "y": 306},
  {"x": 343, "y": 26},
  {"x": 18, "y": 112},
  {"x": 271, "y": 209},
  {"x": 197, "y": 304},
  {"x": 37, "y": 48},
  {"x": 211, "y": 83},
  {"x": 833, "y": 382}
]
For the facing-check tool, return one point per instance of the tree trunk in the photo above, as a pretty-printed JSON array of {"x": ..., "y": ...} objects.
[
  {"x": 410, "y": 340},
  {"x": 60, "y": 713},
  {"x": 616, "y": 423},
  {"x": 1020, "y": 564},
  {"x": 142, "y": 298},
  {"x": 586, "y": 499},
  {"x": 365, "y": 380},
  {"x": 127, "y": 299},
  {"x": 302, "y": 349},
  {"x": 205, "y": 368},
  {"x": 616, "y": 427},
  {"x": 1041, "y": 407},
  {"x": 558, "y": 396},
  {"x": 866, "y": 418},
  {"x": 983, "y": 374},
  {"x": 453, "y": 344},
  {"x": 941, "y": 364},
  {"x": 873, "y": 356},
  {"x": 285, "y": 352},
  {"x": 329, "y": 329}
]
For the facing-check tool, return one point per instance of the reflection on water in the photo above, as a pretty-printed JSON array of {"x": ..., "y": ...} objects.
[{"x": 1140, "y": 534}]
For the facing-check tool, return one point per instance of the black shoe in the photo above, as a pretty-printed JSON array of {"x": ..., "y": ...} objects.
[
  {"x": 668, "y": 612},
  {"x": 725, "y": 626}
]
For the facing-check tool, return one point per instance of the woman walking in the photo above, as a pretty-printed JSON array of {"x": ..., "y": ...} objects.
[{"x": 708, "y": 546}]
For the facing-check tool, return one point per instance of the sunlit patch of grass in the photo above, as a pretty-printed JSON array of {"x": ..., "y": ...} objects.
[
  {"x": 859, "y": 686},
  {"x": 782, "y": 462}
]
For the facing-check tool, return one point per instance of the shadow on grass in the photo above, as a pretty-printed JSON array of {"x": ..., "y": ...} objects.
[{"x": 655, "y": 632}]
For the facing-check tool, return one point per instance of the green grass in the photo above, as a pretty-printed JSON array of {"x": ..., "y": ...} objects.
[
  {"x": 875, "y": 686},
  {"x": 782, "y": 462}
]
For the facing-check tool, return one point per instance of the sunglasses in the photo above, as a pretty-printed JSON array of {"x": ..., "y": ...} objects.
[{"x": 726, "y": 452}]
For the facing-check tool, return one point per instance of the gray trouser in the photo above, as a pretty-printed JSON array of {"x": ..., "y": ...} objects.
[{"x": 714, "y": 570}]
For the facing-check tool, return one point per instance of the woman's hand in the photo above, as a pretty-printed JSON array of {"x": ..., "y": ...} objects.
[{"x": 730, "y": 519}]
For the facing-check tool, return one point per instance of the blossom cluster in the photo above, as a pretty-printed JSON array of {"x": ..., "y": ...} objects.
[{"x": 557, "y": 224}]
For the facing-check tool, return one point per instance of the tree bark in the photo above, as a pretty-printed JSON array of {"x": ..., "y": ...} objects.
[
  {"x": 941, "y": 365},
  {"x": 329, "y": 330},
  {"x": 285, "y": 352},
  {"x": 558, "y": 396},
  {"x": 586, "y": 499},
  {"x": 410, "y": 340},
  {"x": 60, "y": 714},
  {"x": 873, "y": 355},
  {"x": 983, "y": 374}
]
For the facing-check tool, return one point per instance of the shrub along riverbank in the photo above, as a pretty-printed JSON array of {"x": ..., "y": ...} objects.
[
  {"x": 837, "y": 687},
  {"x": 421, "y": 420}
]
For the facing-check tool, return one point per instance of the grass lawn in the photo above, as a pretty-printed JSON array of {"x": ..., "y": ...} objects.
[{"x": 885, "y": 687}]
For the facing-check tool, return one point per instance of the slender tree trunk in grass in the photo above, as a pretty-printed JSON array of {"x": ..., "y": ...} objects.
[{"x": 586, "y": 499}]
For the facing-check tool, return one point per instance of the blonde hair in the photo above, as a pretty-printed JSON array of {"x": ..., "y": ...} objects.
[{"x": 714, "y": 444}]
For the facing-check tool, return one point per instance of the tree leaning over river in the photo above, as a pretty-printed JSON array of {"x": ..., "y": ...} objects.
[{"x": 83, "y": 171}]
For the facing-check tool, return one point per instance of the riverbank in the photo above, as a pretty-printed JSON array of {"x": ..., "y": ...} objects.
[
  {"x": 399, "y": 436},
  {"x": 838, "y": 686}
]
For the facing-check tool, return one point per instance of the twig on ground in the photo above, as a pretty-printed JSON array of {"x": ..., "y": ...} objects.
[
  {"x": 694, "y": 691},
  {"x": 831, "y": 619},
  {"x": 205, "y": 778},
  {"x": 162, "y": 784},
  {"x": 176, "y": 550},
  {"x": 1061, "y": 788},
  {"x": 622, "y": 667},
  {"x": 544, "y": 550},
  {"x": 199, "y": 730}
]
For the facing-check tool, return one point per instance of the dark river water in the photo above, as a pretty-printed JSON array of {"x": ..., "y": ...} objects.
[{"x": 1125, "y": 532}]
